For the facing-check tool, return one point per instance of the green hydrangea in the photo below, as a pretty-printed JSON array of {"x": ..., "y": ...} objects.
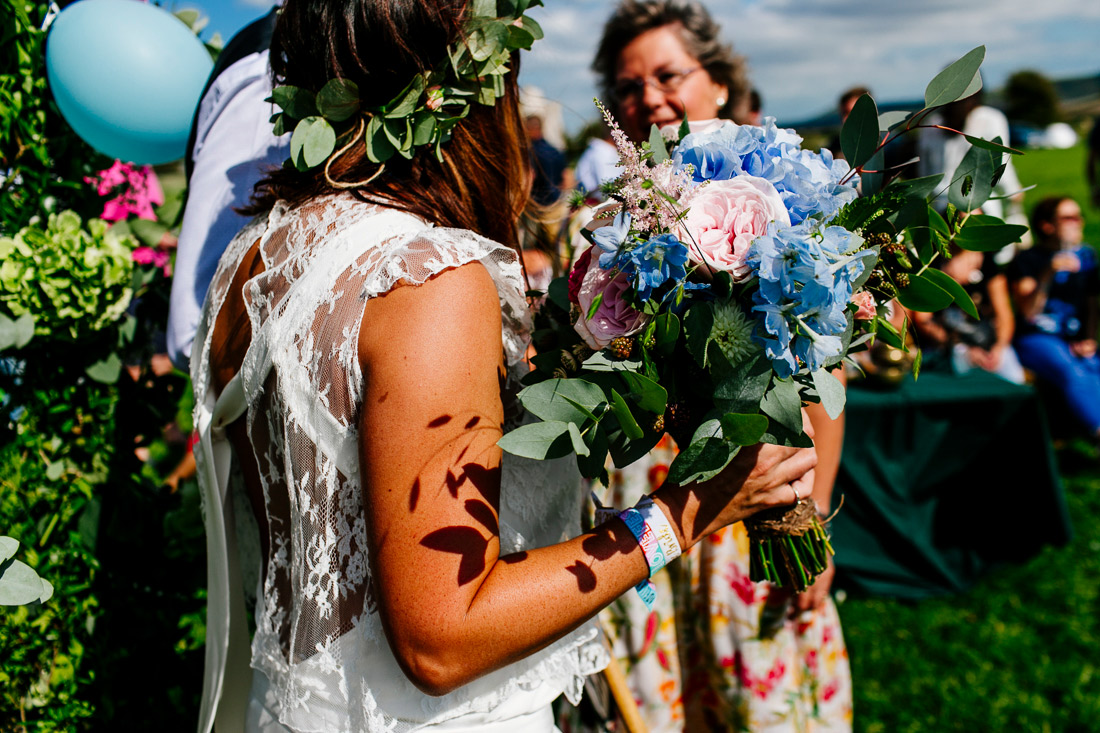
[{"x": 72, "y": 279}]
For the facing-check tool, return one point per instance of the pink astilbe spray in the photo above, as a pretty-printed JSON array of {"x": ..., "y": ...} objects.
[
  {"x": 137, "y": 189},
  {"x": 642, "y": 185}
]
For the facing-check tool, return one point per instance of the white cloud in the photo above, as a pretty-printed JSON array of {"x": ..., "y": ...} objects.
[{"x": 803, "y": 53}]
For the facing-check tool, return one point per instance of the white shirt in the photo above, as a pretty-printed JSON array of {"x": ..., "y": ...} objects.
[
  {"x": 943, "y": 152},
  {"x": 598, "y": 163},
  {"x": 234, "y": 147}
]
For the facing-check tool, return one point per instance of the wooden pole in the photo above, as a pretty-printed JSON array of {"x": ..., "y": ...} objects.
[{"x": 624, "y": 699}]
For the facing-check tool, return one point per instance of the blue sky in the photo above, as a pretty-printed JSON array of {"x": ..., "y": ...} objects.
[{"x": 803, "y": 53}]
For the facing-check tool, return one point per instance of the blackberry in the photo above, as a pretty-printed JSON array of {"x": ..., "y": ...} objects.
[{"x": 658, "y": 424}]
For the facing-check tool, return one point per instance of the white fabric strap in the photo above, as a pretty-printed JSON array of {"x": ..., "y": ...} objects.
[{"x": 659, "y": 524}]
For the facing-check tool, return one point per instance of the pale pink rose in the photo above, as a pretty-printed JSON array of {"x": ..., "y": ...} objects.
[
  {"x": 725, "y": 217},
  {"x": 866, "y": 303},
  {"x": 613, "y": 317}
]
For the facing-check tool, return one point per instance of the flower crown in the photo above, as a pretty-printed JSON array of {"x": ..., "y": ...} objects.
[{"x": 425, "y": 112}]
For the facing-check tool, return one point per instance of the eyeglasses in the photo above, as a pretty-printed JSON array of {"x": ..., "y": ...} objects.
[{"x": 665, "y": 82}]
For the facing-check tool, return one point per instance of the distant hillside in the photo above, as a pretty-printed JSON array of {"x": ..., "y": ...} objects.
[{"x": 1080, "y": 98}]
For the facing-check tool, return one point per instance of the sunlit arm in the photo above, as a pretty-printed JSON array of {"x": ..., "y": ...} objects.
[{"x": 452, "y": 607}]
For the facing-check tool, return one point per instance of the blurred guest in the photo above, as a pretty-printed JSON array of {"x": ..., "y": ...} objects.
[
  {"x": 844, "y": 107},
  {"x": 941, "y": 151},
  {"x": 598, "y": 164},
  {"x": 548, "y": 164},
  {"x": 1055, "y": 286},
  {"x": 970, "y": 343},
  {"x": 232, "y": 146},
  {"x": 756, "y": 108},
  {"x": 719, "y": 652}
]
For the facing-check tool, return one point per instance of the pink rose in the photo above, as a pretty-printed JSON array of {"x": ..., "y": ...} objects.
[
  {"x": 866, "y": 303},
  {"x": 725, "y": 217},
  {"x": 613, "y": 317}
]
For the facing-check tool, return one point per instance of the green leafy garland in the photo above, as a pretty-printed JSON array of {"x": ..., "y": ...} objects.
[{"x": 426, "y": 111}]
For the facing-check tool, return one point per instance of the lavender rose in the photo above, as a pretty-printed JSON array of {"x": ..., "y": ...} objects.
[
  {"x": 613, "y": 317},
  {"x": 724, "y": 218}
]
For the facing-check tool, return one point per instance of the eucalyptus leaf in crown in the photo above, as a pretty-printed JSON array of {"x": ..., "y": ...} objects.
[
  {"x": 732, "y": 275},
  {"x": 426, "y": 111}
]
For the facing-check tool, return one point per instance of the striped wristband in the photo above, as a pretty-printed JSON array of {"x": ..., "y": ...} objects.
[{"x": 656, "y": 520}]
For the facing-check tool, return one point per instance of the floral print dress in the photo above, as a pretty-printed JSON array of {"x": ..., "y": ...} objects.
[{"x": 718, "y": 652}]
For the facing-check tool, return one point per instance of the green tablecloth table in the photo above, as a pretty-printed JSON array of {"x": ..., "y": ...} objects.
[{"x": 943, "y": 478}]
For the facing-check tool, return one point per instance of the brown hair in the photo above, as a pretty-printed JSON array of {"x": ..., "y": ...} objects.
[
  {"x": 1044, "y": 213},
  {"x": 483, "y": 181},
  {"x": 850, "y": 94},
  {"x": 699, "y": 34}
]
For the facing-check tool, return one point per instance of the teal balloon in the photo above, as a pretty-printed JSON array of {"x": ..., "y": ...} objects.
[{"x": 127, "y": 77}]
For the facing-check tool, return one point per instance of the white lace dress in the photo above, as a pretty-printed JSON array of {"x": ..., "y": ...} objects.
[{"x": 320, "y": 658}]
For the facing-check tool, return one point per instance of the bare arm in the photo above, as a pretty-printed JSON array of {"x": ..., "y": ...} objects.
[
  {"x": 1030, "y": 296},
  {"x": 453, "y": 608},
  {"x": 1002, "y": 310}
]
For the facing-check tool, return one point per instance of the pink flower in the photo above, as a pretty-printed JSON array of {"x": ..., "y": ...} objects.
[
  {"x": 149, "y": 256},
  {"x": 866, "y": 303},
  {"x": 742, "y": 585},
  {"x": 725, "y": 217},
  {"x": 137, "y": 187},
  {"x": 613, "y": 317}
]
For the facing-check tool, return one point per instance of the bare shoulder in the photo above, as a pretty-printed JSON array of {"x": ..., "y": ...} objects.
[{"x": 457, "y": 305}]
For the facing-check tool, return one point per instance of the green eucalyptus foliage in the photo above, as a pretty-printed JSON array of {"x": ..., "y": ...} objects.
[{"x": 426, "y": 111}]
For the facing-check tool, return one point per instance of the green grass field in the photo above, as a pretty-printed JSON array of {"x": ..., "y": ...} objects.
[
  {"x": 1021, "y": 650},
  {"x": 1059, "y": 173}
]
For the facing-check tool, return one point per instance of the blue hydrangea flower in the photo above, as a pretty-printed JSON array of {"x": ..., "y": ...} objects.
[
  {"x": 610, "y": 238},
  {"x": 805, "y": 277},
  {"x": 808, "y": 182}
]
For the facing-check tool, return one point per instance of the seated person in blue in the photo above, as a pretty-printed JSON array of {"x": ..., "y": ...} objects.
[
  {"x": 1055, "y": 287},
  {"x": 970, "y": 343}
]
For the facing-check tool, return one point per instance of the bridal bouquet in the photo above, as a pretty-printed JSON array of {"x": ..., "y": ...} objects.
[{"x": 732, "y": 273}]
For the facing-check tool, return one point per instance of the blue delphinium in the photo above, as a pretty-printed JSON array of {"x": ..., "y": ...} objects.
[
  {"x": 610, "y": 239},
  {"x": 808, "y": 182},
  {"x": 649, "y": 264},
  {"x": 805, "y": 277},
  {"x": 654, "y": 262}
]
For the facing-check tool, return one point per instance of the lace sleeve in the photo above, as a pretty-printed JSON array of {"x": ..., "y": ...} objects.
[{"x": 417, "y": 258}]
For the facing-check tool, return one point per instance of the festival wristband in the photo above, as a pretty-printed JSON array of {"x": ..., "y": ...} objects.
[
  {"x": 647, "y": 538},
  {"x": 652, "y": 550},
  {"x": 658, "y": 522}
]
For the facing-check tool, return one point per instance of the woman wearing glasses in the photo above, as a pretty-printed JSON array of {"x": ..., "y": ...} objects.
[
  {"x": 719, "y": 653},
  {"x": 1055, "y": 286}
]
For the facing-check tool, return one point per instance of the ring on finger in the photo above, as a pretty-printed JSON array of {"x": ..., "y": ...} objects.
[{"x": 797, "y": 498}]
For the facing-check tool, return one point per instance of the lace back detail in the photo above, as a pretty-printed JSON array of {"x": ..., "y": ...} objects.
[{"x": 318, "y": 637}]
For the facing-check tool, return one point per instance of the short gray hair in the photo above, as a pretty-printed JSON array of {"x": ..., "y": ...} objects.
[{"x": 699, "y": 33}]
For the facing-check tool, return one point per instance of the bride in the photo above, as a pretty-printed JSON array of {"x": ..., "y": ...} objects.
[{"x": 360, "y": 346}]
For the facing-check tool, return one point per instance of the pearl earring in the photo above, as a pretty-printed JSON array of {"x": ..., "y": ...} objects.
[{"x": 721, "y": 101}]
